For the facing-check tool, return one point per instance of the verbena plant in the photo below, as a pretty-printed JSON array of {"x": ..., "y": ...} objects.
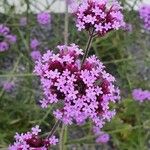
[{"x": 86, "y": 94}]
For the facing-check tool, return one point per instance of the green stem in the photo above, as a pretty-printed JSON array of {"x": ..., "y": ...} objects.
[
  {"x": 88, "y": 46},
  {"x": 66, "y": 24},
  {"x": 56, "y": 125},
  {"x": 63, "y": 138}
]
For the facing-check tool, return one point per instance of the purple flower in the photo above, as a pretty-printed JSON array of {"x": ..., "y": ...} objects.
[
  {"x": 6, "y": 38},
  {"x": 103, "y": 138},
  {"x": 11, "y": 38},
  {"x": 35, "y": 55},
  {"x": 85, "y": 90},
  {"x": 32, "y": 141},
  {"x": 3, "y": 46},
  {"x": 8, "y": 86},
  {"x": 23, "y": 21},
  {"x": 34, "y": 44},
  {"x": 35, "y": 130},
  {"x": 44, "y": 18},
  {"x": 53, "y": 140},
  {"x": 98, "y": 16},
  {"x": 140, "y": 95},
  {"x": 144, "y": 12}
]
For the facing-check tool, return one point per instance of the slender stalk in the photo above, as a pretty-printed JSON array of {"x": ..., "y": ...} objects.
[
  {"x": 88, "y": 46},
  {"x": 56, "y": 125},
  {"x": 64, "y": 128},
  {"x": 63, "y": 137},
  {"x": 66, "y": 23},
  {"x": 10, "y": 77}
]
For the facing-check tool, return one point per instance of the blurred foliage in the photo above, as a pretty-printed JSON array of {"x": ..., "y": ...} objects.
[{"x": 126, "y": 56}]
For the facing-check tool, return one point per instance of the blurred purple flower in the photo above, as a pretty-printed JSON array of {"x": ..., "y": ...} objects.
[
  {"x": 103, "y": 138},
  {"x": 44, "y": 18},
  {"x": 140, "y": 95},
  {"x": 144, "y": 12},
  {"x": 8, "y": 86},
  {"x": 23, "y": 21},
  {"x": 34, "y": 44},
  {"x": 35, "y": 55},
  {"x": 3, "y": 46},
  {"x": 12, "y": 38},
  {"x": 6, "y": 38}
]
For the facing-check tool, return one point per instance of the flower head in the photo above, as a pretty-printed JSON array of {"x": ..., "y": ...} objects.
[
  {"x": 44, "y": 18},
  {"x": 103, "y": 138},
  {"x": 34, "y": 43},
  {"x": 85, "y": 91},
  {"x": 144, "y": 12},
  {"x": 32, "y": 141},
  {"x": 35, "y": 55},
  {"x": 140, "y": 95},
  {"x": 98, "y": 15},
  {"x": 6, "y": 38}
]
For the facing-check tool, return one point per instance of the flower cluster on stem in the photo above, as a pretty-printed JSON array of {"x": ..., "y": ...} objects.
[
  {"x": 33, "y": 141},
  {"x": 101, "y": 15},
  {"x": 79, "y": 84},
  {"x": 84, "y": 89}
]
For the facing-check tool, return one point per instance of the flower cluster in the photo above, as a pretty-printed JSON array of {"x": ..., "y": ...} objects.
[
  {"x": 6, "y": 38},
  {"x": 101, "y": 137},
  {"x": 32, "y": 141},
  {"x": 44, "y": 18},
  {"x": 144, "y": 12},
  {"x": 140, "y": 95},
  {"x": 35, "y": 53},
  {"x": 83, "y": 90},
  {"x": 98, "y": 15},
  {"x": 34, "y": 44}
]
